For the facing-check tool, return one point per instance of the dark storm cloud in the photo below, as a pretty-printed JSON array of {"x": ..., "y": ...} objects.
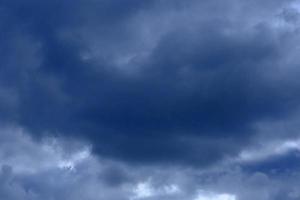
[{"x": 193, "y": 96}]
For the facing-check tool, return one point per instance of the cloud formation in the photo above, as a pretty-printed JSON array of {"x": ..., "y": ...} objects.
[
  {"x": 109, "y": 94},
  {"x": 34, "y": 170},
  {"x": 154, "y": 81}
]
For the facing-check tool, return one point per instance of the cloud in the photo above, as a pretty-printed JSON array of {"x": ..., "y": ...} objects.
[
  {"x": 94, "y": 177},
  {"x": 100, "y": 71},
  {"x": 270, "y": 150},
  {"x": 148, "y": 100},
  {"x": 155, "y": 82},
  {"x": 90, "y": 179},
  {"x": 203, "y": 196}
]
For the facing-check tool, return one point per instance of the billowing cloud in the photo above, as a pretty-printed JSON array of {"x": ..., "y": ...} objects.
[
  {"x": 149, "y": 100},
  {"x": 34, "y": 170},
  {"x": 151, "y": 81}
]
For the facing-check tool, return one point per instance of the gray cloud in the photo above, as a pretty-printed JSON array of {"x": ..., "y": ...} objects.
[
  {"x": 149, "y": 82},
  {"x": 149, "y": 100},
  {"x": 95, "y": 178}
]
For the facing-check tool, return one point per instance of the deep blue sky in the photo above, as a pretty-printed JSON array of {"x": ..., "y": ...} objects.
[{"x": 149, "y": 99}]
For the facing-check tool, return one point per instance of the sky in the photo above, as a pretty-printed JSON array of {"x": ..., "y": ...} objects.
[{"x": 149, "y": 99}]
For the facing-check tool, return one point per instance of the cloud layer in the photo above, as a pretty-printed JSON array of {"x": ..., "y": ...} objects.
[
  {"x": 198, "y": 87},
  {"x": 60, "y": 169}
]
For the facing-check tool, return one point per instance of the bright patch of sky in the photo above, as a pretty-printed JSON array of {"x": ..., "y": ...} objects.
[{"x": 212, "y": 196}]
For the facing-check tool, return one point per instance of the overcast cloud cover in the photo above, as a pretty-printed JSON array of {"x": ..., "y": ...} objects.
[{"x": 149, "y": 99}]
